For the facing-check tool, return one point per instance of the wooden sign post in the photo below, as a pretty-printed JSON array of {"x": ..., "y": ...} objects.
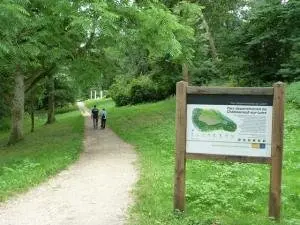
[
  {"x": 277, "y": 151},
  {"x": 179, "y": 195},
  {"x": 230, "y": 124}
]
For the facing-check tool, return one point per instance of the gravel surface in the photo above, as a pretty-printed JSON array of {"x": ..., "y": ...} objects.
[{"x": 96, "y": 190}]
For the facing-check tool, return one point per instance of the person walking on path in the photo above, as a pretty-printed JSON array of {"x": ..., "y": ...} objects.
[
  {"x": 95, "y": 116},
  {"x": 103, "y": 118}
]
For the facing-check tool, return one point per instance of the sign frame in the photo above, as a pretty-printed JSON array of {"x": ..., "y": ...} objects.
[{"x": 275, "y": 161}]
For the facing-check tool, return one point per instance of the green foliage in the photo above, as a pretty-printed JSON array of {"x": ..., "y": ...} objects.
[
  {"x": 143, "y": 89},
  {"x": 37, "y": 39},
  {"x": 4, "y": 109},
  {"x": 164, "y": 35},
  {"x": 4, "y": 124},
  {"x": 137, "y": 90},
  {"x": 156, "y": 48},
  {"x": 41, "y": 155},
  {"x": 269, "y": 41},
  {"x": 158, "y": 35},
  {"x": 166, "y": 75},
  {"x": 65, "y": 93},
  {"x": 217, "y": 192},
  {"x": 120, "y": 91},
  {"x": 291, "y": 69},
  {"x": 204, "y": 73}
]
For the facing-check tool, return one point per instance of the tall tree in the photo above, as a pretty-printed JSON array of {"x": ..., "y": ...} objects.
[
  {"x": 269, "y": 40},
  {"x": 15, "y": 51},
  {"x": 42, "y": 36}
]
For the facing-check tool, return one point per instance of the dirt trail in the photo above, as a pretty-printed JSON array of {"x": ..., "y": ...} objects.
[{"x": 93, "y": 191}]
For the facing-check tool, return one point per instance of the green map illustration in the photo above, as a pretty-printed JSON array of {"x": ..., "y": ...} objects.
[{"x": 209, "y": 120}]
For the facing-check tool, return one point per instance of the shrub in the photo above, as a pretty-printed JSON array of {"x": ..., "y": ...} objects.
[
  {"x": 119, "y": 91},
  {"x": 137, "y": 90},
  {"x": 204, "y": 73},
  {"x": 122, "y": 99},
  {"x": 4, "y": 124},
  {"x": 143, "y": 89}
]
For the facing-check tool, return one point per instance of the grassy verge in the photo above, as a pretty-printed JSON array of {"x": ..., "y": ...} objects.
[
  {"x": 43, "y": 153},
  {"x": 217, "y": 193},
  {"x": 106, "y": 103},
  {"x": 67, "y": 108}
]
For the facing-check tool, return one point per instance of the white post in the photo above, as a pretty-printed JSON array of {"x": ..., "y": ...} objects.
[
  {"x": 91, "y": 97},
  {"x": 101, "y": 94},
  {"x": 95, "y": 94}
]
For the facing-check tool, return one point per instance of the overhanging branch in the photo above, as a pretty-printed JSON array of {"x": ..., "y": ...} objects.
[{"x": 32, "y": 81}]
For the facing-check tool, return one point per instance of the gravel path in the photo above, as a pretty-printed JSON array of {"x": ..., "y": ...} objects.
[{"x": 93, "y": 191}]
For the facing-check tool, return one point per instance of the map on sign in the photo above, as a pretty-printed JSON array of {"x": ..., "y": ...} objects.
[{"x": 229, "y": 125}]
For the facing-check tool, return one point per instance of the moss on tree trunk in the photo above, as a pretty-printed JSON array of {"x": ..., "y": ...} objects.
[
  {"x": 17, "y": 110},
  {"x": 51, "y": 100}
]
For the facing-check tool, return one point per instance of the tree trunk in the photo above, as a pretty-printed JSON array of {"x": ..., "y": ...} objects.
[
  {"x": 185, "y": 72},
  {"x": 51, "y": 99},
  {"x": 32, "y": 116},
  {"x": 17, "y": 110},
  {"x": 211, "y": 40}
]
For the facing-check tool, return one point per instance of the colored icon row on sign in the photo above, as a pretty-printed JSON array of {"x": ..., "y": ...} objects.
[
  {"x": 252, "y": 140},
  {"x": 258, "y": 146}
]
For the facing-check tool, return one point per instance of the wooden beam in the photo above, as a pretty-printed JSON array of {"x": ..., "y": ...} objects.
[
  {"x": 229, "y": 91},
  {"x": 277, "y": 150},
  {"x": 181, "y": 123},
  {"x": 243, "y": 159}
]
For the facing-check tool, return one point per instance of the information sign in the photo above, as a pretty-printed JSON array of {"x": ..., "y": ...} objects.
[{"x": 229, "y": 125}]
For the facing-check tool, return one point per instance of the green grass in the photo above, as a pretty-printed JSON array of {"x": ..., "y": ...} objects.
[
  {"x": 67, "y": 108},
  {"x": 41, "y": 154},
  {"x": 293, "y": 93},
  {"x": 217, "y": 192},
  {"x": 100, "y": 103}
]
